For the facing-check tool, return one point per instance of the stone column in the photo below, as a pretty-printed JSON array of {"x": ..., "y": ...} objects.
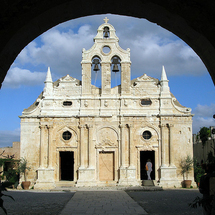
[
  {"x": 125, "y": 78},
  {"x": 82, "y": 147},
  {"x": 168, "y": 172},
  {"x": 106, "y": 78},
  {"x": 163, "y": 145},
  {"x": 45, "y": 173},
  {"x": 91, "y": 156},
  {"x": 131, "y": 146},
  {"x": 131, "y": 170},
  {"x": 171, "y": 145},
  {"x": 86, "y": 77},
  {"x": 49, "y": 160},
  {"x": 122, "y": 153},
  {"x": 86, "y": 175},
  {"x": 43, "y": 146}
]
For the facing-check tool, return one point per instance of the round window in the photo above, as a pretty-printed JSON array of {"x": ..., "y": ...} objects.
[
  {"x": 106, "y": 49},
  {"x": 147, "y": 135},
  {"x": 67, "y": 135}
]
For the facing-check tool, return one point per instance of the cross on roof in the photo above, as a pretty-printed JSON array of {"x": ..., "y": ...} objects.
[{"x": 106, "y": 20}]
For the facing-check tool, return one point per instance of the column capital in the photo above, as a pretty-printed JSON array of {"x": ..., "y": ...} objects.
[
  {"x": 163, "y": 125},
  {"x": 170, "y": 125},
  {"x": 123, "y": 125},
  {"x": 81, "y": 126},
  {"x": 49, "y": 126},
  {"x": 89, "y": 126},
  {"x": 42, "y": 126},
  {"x": 130, "y": 125}
]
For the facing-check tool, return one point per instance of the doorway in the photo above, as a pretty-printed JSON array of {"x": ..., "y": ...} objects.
[
  {"x": 106, "y": 166},
  {"x": 67, "y": 166},
  {"x": 144, "y": 156}
]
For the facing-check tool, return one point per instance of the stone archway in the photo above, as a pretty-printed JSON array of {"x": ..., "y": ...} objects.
[{"x": 23, "y": 21}]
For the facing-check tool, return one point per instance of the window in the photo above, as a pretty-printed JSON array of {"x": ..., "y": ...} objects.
[
  {"x": 147, "y": 135},
  {"x": 144, "y": 102},
  {"x": 67, "y": 135},
  {"x": 67, "y": 103}
]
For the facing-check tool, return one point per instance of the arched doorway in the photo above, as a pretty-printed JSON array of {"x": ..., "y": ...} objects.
[{"x": 144, "y": 156}]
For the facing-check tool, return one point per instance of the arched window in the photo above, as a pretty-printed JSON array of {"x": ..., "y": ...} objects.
[
  {"x": 116, "y": 71},
  {"x": 95, "y": 73},
  {"x": 106, "y": 32}
]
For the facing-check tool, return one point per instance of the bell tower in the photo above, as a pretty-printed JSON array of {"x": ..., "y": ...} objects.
[{"x": 106, "y": 56}]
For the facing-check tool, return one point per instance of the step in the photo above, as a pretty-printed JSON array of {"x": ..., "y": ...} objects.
[
  {"x": 148, "y": 183},
  {"x": 65, "y": 184}
]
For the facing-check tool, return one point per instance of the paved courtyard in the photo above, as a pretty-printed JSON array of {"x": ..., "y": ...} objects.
[{"x": 173, "y": 201}]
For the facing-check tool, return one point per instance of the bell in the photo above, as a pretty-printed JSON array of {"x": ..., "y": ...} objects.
[
  {"x": 115, "y": 68},
  {"x": 106, "y": 35},
  {"x": 96, "y": 68},
  {"x": 106, "y": 32}
]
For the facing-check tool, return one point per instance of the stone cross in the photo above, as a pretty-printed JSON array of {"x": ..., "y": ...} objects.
[{"x": 106, "y": 20}]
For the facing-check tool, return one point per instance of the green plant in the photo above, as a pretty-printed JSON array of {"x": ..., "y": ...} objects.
[
  {"x": 3, "y": 186},
  {"x": 198, "y": 171},
  {"x": 186, "y": 165},
  {"x": 211, "y": 158},
  {"x": 23, "y": 167},
  {"x": 204, "y": 133},
  {"x": 12, "y": 176}
]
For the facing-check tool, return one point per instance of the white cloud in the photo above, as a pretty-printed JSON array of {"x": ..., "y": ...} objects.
[
  {"x": 151, "y": 47},
  {"x": 8, "y": 137},
  {"x": 203, "y": 117},
  {"x": 205, "y": 110},
  {"x": 17, "y": 77}
]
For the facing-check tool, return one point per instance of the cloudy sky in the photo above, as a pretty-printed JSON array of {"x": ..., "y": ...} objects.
[{"x": 61, "y": 47}]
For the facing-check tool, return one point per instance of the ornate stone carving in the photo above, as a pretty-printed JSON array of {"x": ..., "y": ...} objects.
[
  {"x": 106, "y": 142},
  {"x": 86, "y": 103}
]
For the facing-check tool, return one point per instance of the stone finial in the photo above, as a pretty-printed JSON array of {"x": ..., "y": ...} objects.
[
  {"x": 48, "y": 89},
  {"x": 48, "y": 76},
  {"x": 163, "y": 74},
  {"x": 165, "y": 91}
]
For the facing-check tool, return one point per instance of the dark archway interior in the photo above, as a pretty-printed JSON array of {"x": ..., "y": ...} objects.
[
  {"x": 23, "y": 20},
  {"x": 67, "y": 166},
  {"x": 144, "y": 156}
]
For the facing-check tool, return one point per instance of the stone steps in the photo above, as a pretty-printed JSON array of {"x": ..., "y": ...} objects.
[{"x": 148, "y": 183}]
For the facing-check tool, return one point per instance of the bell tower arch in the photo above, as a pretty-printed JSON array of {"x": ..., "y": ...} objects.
[{"x": 112, "y": 59}]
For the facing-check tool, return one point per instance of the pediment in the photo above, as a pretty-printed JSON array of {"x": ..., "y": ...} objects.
[
  {"x": 144, "y": 81},
  {"x": 68, "y": 78}
]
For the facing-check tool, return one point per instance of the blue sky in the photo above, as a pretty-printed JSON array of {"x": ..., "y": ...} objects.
[{"x": 61, "y": 47}]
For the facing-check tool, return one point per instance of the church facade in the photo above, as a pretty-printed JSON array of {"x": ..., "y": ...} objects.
[{"x": 81, "y": 135}]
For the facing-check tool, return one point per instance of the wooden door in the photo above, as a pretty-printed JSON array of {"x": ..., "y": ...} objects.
[{"x": 106, "y": 166}]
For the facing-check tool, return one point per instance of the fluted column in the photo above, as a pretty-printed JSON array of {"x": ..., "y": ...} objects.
[
  {"x": 163, "y": 145},
  {"x": 171, "y": 145}
]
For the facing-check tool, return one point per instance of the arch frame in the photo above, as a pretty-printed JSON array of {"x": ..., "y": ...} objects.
[{"x": 24, "y": 21}]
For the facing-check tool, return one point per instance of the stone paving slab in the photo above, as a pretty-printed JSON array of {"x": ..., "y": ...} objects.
[
  {"x": 102, "y": 202},
  {"x": 113, "y": 188}
]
